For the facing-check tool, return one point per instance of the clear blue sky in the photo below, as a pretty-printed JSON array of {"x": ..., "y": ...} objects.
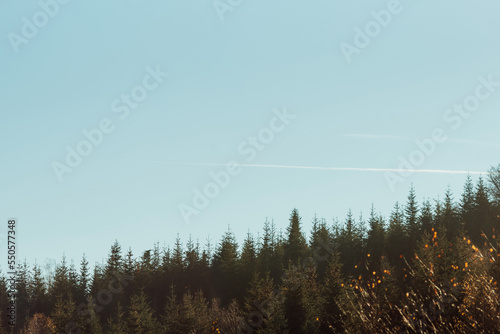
[{"x": 225, "y": 79}]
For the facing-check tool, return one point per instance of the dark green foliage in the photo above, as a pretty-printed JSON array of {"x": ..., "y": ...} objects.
[
  {"x": 37, "y": 292},
  {"x": 350, "y": 245},
  {"x": 396, "y": 242},
  {"x": 411, "y": 221},
  {"x": 225, "y": 265},
  {"x": 117, "y": 324},
  {"x": 376, "y": 236},
  {"x": 433, "y": 268},
  {"x": 141, "y": 319},
  {"x": 303, "y": 300},
  {"x": 426, "y": 218},
  {"x": 332, "y": 292},
  {"x": 295, "y": 246},
  {"x": 64, "y": 315},
  {"x": 450, "y": 217}
]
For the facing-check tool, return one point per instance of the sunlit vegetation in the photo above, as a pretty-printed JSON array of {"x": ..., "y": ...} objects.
[{"x": 430, "y": 267}]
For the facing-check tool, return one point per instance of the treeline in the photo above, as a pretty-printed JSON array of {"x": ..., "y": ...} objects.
[{"x": 430, "y": 267}]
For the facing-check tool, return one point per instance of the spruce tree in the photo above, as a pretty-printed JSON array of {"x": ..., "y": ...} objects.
[
  {"x": 23, "y": 305},
  {"x": 376, "y": 237},
  {"x": 178, "y": 266},
  {"x": 467, "y": 206},
  {"x": 247, "y": 266},
  {"x": 303, "y": 301},
  {"x": 64, "y": 315},
  {"x": 450, "y": 218},
  {"x": 117, "y": 324},
  {"x": 225, "y": 268},
  {"x": 426, "y": 218},
  {"x": 321, "y": 246},
  {"x": 38, "y": 292},
  {"x": 484, "y": 214},
  {"x": 89, "y": 321},
  {"x": 83, "y": 281},
  {"x": 114, "y": 264},
  {"x": 494, "y": 184},
  {"x": 171, "y": 315},
  {"x": 411, "y": 221},
  {"x": 350, "y": 245},
  {"x": 141, "y": 319},
  {"x": 296, "y": 246},
  {"x": 266, "y": 250},
  {"x": 334, "y": 301},
  {"x": 396, "y": 238}
]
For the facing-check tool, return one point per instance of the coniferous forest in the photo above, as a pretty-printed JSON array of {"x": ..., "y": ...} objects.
[{"x": 432, "y": 266}]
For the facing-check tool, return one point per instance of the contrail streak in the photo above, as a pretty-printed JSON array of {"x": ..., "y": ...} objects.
[
  {"x": 372, "y": 136},
  {"x": 352, "y": 169}
]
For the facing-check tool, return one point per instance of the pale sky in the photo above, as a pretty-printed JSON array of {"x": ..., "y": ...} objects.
[{"x": 359, "y": 88}]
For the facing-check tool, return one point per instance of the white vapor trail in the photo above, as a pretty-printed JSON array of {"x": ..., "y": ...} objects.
[
  {"x": 353, "y": 169},
  {"x": 373, "y": 136},
  {"x": 400, "y": 138}
]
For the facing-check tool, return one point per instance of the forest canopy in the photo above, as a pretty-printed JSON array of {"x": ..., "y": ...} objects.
[{"x": 431, "y": 266}]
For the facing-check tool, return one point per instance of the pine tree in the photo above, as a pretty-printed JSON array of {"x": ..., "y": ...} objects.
[
  {"x": 129, "y": 270},
  {"x": 141, "y": 319},
  {"x": 192, "y": 263},
  {"x": 396, "y": 237},
  {"x": 129, "y": 264},
  {"x": 296, "y": 246},
  {"x": 321, "y": 246},
  {"x": 88, "y": 321},
  {"x": 23, "y": 294},
  {"x": 117, "y": 324},
  {"x": 467, "y": 206},
  {"x": 73, "y": 280},
  {"x": 494, "y": 184},
  {"x": 114, "y": 264},
  {"x": 263, "y": 308},
  {"x": 438, "y": 214},
  {"x": 302, "y": 300},
  {"x": 331, "y": 319},
  {"x": 225, "y": 268},
  {"x": 97, "y": 282},
  {"x": 350, "y": 245},
  {"x": 426, "y": 218},
  {"x": 38, "y": 292},
  {"x": 4, "y": 301},
  {"x": 61, "y": 285},
  {"x": 376, "y": 237},
  {"x": 64, "y": 315},
  {"x": 178, "y": 266},
  {"x": 171, "y": 316},
  {"x": 278, "y": 258},
  {"x": 411, "y": 221},
  {"x": 450, "y": 219},
  {"x": 247, "y": 266},
  {"x": 193, "y": 314},
  {"x": 266, "y": 250},
  {"x": 83, "y": 281},
  {"x": 483, "y": 214},
  {"x": 112, "y": 268}
]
